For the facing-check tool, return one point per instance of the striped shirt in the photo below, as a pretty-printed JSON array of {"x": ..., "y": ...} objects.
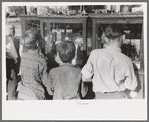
[
  {"x": 109, "y": 70},
  {"x": 34, "y": 76}
]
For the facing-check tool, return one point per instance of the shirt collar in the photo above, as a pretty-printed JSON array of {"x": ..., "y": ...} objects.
[
  {"x": 113, "y": 48},
  {"x": 67, "y": 65},
  {"x": 32, "y": 51}
]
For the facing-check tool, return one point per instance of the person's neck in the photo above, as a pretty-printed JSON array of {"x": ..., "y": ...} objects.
[
  {"x": 115, "y": 45},
  {"x": 67, "y": 63},
  {"x": 61, "y": 64}
]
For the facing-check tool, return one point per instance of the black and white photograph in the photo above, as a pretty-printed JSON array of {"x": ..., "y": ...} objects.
[{"x": 74, "y": 61}]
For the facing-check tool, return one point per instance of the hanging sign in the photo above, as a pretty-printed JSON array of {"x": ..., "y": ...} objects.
[{"x": 62, "y": 30}]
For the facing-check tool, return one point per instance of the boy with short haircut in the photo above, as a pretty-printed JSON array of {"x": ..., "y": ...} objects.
[
  {"x": 33, "y": 68},
  {"x": 110, "y": 71},
  {"x": 66, "y": 78}
]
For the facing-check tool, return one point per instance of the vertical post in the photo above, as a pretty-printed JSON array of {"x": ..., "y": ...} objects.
[
  {"x": 48, "y": 38},
  {"x": 93, "y": 34},
  {"x": 23, "y": 24},
  {"x": 141, "y": 72},
  {"x": 24, "y": 10},
  {"x": 42, "y": 35},
  {"x": 84, "y": 42},
  {"x": 55, "y": 34},
  {"x": 41, "y": 28},
  {"x": 80, "y": 8},
  {"x": 142, "y": 50},
  {"x": 84, "y": 35}
]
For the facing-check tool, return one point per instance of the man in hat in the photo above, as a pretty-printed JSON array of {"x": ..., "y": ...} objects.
[
  {"x": 110, "y": 71},
  {"x": 11, "y": 63}
]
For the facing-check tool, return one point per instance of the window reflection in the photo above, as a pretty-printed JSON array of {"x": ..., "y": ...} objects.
[
  {"x": 32, "y": 24},
  {"x": 54, "y": 33}
]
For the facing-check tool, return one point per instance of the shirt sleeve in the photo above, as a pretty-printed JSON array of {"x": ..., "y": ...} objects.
[
  {"x": 125, "y": 75},
  {"x": 10, "y": 47},
  {"x": 130, "y": 78},
  {"x": 87, "y": 70}
]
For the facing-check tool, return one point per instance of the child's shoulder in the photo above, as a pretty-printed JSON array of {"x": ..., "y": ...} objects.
[
  {"x": 76, "y": 68},
  {"x": 55, "y": 70}
]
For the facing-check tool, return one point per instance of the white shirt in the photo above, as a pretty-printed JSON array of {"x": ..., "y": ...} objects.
[
  {"x": 109, "y": 70},
  {"x": 10, "y": 47}
]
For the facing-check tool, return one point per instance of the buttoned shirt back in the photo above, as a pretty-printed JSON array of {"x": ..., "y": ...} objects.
[
  {"x": 109, "y": 70},
  {"x": 34, "y": 76}
]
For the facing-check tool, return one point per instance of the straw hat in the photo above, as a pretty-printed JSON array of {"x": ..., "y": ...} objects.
[{"x": 11, "y": 27}]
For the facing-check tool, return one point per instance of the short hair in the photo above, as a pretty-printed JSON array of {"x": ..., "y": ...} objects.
[
  {"x": 114, "y": 31},
  {"x": 66, "y": 51},
  {"x": 30, "y": 38}
]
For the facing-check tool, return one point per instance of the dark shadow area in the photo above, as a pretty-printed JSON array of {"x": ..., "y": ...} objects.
[
  {"x": 47, "y": 96},
  {"x": 90, "y": 94},
  {"x": 51, "y": 63}
]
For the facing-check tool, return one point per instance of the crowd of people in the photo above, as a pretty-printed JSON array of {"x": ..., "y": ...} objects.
[{"x": 29, "y": 76}]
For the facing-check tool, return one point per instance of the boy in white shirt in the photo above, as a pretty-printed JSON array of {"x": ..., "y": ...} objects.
[{"x": 110, "y": 71}]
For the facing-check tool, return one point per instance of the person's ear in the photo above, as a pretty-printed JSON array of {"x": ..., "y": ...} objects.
[
  {"x": 57, "y": 54},
  {"x": 38, "y": 44},
  {"x": 124, "y": 37}
]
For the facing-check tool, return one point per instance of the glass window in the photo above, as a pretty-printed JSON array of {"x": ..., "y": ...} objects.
[
  {"x": 54, "y": 33},
  {"x": 32, "y": 24}
]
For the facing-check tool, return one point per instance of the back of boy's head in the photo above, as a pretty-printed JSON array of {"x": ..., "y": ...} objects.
[
  {"x": 30, "y": 39},
  {"x": 66, "y": 51},
  {"x": 114, "y": 31}
]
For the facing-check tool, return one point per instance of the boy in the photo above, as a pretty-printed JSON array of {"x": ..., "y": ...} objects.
[
  {"x": 110, "y": 71},
  {"x": 66, "y": 78},
  {"x": 33, "y": 68}
]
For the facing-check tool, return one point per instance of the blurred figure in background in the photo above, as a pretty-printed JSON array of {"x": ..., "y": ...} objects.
[
  {"x": 11, "y": 63},
  {"x": 33, "y": 11}
]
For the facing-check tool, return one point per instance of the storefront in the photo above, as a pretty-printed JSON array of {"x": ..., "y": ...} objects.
[
  {"x": 86, "y": 32},
  {"x": 55, "y": 29},
  {"x": 29, "y": 21}
]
